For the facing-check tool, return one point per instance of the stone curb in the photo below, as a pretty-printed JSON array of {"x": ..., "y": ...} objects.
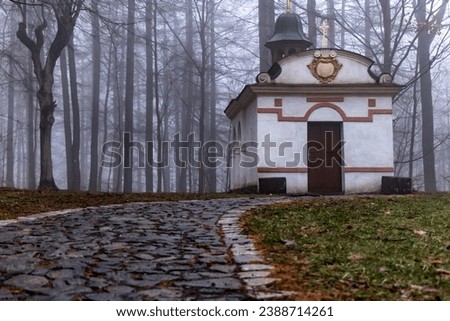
[{"x": 252, "y": 268}]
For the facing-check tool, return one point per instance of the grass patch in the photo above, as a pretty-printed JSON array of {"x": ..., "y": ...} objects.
[
  {"x": 374, "y": 248},
  {"x": 16, "y": 203}
]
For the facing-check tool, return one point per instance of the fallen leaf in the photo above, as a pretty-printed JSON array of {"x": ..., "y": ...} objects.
[
  {"x": 355, "y": 257},
  {"x": 442, "y": 271},
  {"x": 192, "y": 261},
  {"x": 436, "y": 262},
  {"x": 420, "y": 232},
  {"x": 416, "y": 287},
  {"x": 288, "y": 242},
  {"x": 405, "y": 294},
  {"x": 424, "y": 288}
]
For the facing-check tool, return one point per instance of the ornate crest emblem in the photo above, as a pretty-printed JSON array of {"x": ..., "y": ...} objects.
[{"x": 325, "y": 66}]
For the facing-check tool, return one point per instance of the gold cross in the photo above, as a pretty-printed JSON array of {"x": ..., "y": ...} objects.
[
  {"x": 324, "y": 28},
  {"x": 288, "y": 6}
]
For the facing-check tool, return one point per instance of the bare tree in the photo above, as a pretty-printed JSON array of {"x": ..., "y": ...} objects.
[
  {"x": 65, "y": 13},
  {"x": 428, "y": 27}
]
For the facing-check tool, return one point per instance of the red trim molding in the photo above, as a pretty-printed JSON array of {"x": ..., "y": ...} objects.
[
  {"x": 304, "y": 170},
  {"x": 294, "y": 170},
  {"x": 325, "y": 99},
  {"x": 369, "y": 169},
  {"x": 339, "y": 110}
]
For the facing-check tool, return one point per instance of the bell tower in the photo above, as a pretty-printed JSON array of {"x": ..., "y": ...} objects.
[{"x": 288, "y": 37}]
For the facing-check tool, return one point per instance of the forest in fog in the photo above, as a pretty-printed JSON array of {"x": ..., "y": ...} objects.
[{"x": 121, "y": 95}]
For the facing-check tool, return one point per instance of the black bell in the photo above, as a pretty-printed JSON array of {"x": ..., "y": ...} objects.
[{"x": 288, "y": 38}]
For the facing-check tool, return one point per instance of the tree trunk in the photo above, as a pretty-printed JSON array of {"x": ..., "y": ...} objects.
[
  {"x": 164, "y": 116},
  {"x": 96, "y": 57},
  {"x": 67, "y": 120},
  {"x": 312, "y": 27},
  {"x": 331, "y": 22},
  {"x": 106, "y": 112},
  {"x": 427, "y": 117},
  {"x": 20, "y": 172},
  {"x": 47, "y": 105},
  {"x": 387, "y": 33},
  {"x": 159, "y": 134},
  {"x": 201, "y": 158},
  {"x": 76, "y": 118},
  {"x": 413, "y": 126},
  {"x": 149, "y": 96},
  {"x": 167, "y": 171},
  {"x": 266, "y": 10},
  {"x": 10, "y": 123},
  {"x": 10, "y": 133},
  {"x": 213, "y": 122},
  {"x": 188, "y": 88},
  {"x": 367, "y": 28},
  {"x": 129, "y": 100},
  {"x": 118, "y": 81},
  {"x": 31, "y": 151},
  {"x": 343, "y": 17}
]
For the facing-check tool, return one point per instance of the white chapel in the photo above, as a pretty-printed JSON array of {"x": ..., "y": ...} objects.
[{"x": 318, "y": 122}]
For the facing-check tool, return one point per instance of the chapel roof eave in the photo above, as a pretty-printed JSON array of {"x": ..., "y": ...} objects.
[
  {"x": 243, "y": 100},
  {"x": 251, "y": 92},
  {"x": 381, "y": 89}
]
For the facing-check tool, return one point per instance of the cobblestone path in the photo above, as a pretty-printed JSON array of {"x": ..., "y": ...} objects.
[{"x": 189, "y": 250}]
